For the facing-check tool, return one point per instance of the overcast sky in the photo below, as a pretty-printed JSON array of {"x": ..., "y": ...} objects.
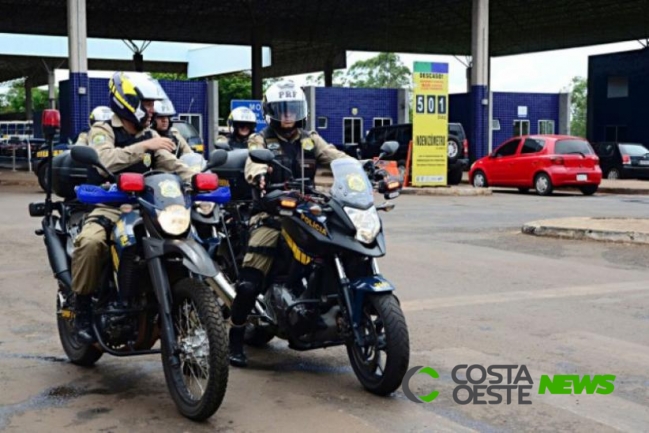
[{"x": 549, "y": 71}]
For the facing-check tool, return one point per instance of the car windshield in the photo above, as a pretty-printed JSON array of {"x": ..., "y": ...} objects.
[
  {"x": 186, "y": 130},
  {"x": 633, "y": 149},
  {"x": 565, "y": 147},
  {"x": 351, "y": 186}
]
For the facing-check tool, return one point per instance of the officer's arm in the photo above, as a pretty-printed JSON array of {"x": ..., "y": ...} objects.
[
  {"x": 166, "y": 161},
  {"x": 252, "y": 170},
  {"x": 114, "y": 158},
  {"x": 325, "y": 152}
]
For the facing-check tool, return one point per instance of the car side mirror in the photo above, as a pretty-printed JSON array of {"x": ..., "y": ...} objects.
[
  {"x": 261, "y": 156},
  {"x": 389, "y": 148}
]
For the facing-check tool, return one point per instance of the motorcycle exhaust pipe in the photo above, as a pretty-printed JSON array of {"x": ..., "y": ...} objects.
[
  {"x": 223, "y": 288},
  {"x": 56, "y": 255}
]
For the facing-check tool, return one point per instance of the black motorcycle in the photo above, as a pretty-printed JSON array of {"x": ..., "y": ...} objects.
[
  {"x": 154, "y": 287},
  {"x": 325, "y": 288}
]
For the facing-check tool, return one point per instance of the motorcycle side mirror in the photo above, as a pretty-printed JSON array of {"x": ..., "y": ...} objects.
[
  {"x": 217, "y": 158},
  {"x": 389, "y": 148},
  {"x": 222, "y": 145},
  {"x": 86, "y": 155},
  {"x": 261, "y": 156}
]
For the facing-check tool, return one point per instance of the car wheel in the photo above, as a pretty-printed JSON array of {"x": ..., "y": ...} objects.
[
  {"x": 613, "y": 174},
  {"x": 588, "y": 189},
  {"x": 453, "y": 149},
  {"x": 455, "y": 176},
  {"x": 543, "y": 184},
  {"x": 479, "y": 180}
]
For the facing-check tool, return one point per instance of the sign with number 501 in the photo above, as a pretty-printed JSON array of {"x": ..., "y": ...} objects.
[{"x": 430, "y": 124}]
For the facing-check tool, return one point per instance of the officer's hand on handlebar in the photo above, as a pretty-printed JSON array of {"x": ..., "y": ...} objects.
[
  {"x": 159, "y": 143},
  {"x": 260, "y": 182}
]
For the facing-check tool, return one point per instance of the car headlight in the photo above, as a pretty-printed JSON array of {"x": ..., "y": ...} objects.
[
  {"x": 367, "y": 223},
  {"x": 174, "y": 219},
  {"x": 205, "y": 207}
]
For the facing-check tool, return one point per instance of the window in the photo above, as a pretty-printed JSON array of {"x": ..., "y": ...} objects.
[
  {"x": 322, "y": 122},
  {"x": 618, "y": 87},
  {"x": 352, "y": 130},
  {"x": 521, "y": 127},
  {"x": 495, "y": 124},
  {"x": 196, "y": 120},
  {"x": 567, "y": 147},
  {"x": 633, "y": 149},
  {"x": 616, "y": 133},
  {"x": 382, "y": 121},
  {"x": 507, "y": 149},
  {"x": 532, "y": 145},
  {"x": 546, "y": 126}
]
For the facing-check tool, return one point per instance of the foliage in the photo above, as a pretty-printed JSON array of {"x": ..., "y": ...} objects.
[
  {"x": 578, "y": 89},
  {"x": 13, "y": 101}
]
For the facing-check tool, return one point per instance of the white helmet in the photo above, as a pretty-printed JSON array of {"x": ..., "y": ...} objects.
[
  {"x": 100, "y": 114},
  {"x": 127, "y": 92},
  {"x": 164, "y": 108},
  {"x": 242, "y": 116},
  {"x": 282, "y": 98}
]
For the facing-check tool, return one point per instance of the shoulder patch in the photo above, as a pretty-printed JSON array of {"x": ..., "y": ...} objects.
[
  {"x": 99, "y": 138},
  {"x": 307, "y": 144}
]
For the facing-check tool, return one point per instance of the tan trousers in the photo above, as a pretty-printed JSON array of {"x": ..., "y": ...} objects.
[
  {"x": 91, "y": 252},
  {"x": 261, "y": 237}
]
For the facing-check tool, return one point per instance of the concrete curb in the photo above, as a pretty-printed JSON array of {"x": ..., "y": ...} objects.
[{"x": 538, "y": 229}]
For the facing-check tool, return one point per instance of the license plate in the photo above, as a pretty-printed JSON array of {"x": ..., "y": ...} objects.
[
  {"x": 644, "y": 162},
  {"x": 582, "y": 177}
]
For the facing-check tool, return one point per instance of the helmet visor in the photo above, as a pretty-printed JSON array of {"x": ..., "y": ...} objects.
[{"x": 287, "y": 110}]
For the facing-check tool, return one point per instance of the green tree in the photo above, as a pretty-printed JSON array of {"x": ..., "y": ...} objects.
[
  {"x": 233, "y": 86},
  {"x": 13, "y": 101},
  {"x": 171, "y": 76},
  {"x": 384, "y": 70},
  {"x": 578, "y": 89}
]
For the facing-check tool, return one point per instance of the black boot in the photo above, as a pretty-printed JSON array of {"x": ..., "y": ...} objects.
[
  {"x": 82, "y": 315},
  {"x": 237, "y": 356}
]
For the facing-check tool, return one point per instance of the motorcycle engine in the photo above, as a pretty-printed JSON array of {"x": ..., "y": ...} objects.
[{"x": 298, "y": 319}]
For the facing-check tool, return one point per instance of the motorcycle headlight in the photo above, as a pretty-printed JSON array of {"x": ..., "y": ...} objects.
[
  {"x": 205, "y": 207},
  {"x": 174, "y": 219},
  {"x": 367, "y": 223}
]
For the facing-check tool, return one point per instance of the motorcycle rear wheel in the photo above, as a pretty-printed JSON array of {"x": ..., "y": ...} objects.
[
  {"x": 198, "y": 384},
  {"x": 382, "y": 361},
  {"x": 81, "y": 354}
]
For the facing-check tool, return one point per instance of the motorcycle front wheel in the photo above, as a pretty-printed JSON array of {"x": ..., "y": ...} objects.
[
  {"x": 381, "y": 361},
  {"x": 198, "y": 384}
]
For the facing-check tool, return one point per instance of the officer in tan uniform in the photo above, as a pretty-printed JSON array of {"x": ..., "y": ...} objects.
[
  {"x": 285, "y": 109},
  {"x": 99, "y": 114},
  {"x": 162, "y": 113},
  {"x": 242, "y": 123},
  {"x": 124, "y": 144}
]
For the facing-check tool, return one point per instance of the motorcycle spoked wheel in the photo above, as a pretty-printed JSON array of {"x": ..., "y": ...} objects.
[
  {"x": 198, "y": 384},
  {"x": 79, "y": 353},
  {"x": 382, "y": 361}
]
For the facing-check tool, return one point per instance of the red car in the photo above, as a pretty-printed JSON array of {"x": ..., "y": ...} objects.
[{"x": 542, "y": 162}]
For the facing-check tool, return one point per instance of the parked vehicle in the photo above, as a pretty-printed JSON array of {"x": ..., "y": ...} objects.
[
  {"x": 542, "y": 162},
  {"x": 190, "y": 134},
  {"x": 458, "y": 147},
  {"x": 623, "y": 160}
]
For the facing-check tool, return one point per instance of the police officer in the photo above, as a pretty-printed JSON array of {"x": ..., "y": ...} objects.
[
  {"x": 285, "y": 109},
  {"x": 162, "y": 113},
  {"x": 99, "y": 114},
  {"x": 241, "y": 123},
  {"x": 124, "y": 144}
]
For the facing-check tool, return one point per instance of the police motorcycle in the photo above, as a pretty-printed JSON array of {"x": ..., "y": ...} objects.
[
  {"x": 325, "y": 288},
  {"x": 153, "y": 288}
]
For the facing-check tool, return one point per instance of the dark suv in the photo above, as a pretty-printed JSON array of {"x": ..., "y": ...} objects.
[
  {"x": 458, "y": 147},
  {"x": 623, "y": 160}
]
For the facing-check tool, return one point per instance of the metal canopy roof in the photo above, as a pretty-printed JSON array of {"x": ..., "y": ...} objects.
[
  {"x": 321, "y": 28},
  {"x": 12, "y": 67}
]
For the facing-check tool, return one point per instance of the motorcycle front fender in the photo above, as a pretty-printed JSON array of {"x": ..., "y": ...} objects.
[
  {"x": 366, "y": 285},
  {"x": 195, "y": 258}
]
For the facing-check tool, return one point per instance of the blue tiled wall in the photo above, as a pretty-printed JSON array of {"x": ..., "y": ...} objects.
[
  {"x": 540, "y": 106},
  {"x": 182, "y": 93},
  {"x": 631, "y": 111},
  {"x": 479, "y": 128},
  {"x": 335, "y": 103}
]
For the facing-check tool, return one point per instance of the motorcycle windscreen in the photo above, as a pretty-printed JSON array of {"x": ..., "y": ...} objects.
[
  {"x": 351, "y": 185},
  {"x": 163, "y": 190}
]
